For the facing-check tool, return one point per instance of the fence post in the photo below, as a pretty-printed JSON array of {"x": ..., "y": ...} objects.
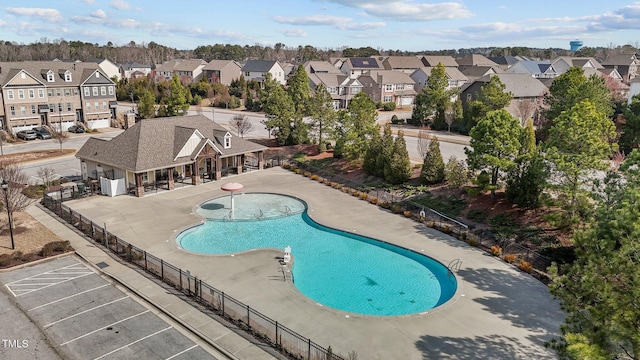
[
  {"x": 80, "y": 222},
  {"x": 145, "y": 261},
  {"x": 309, "y": 351},
  {"x": 248, "y": 323},
  {"x": 200, "y": 290},
  {"x": 162, "y": 269},
  {"x": 180, "y": 271},
  {"x": 277, "y": 344},
  {"x": 222, "y": 304}
]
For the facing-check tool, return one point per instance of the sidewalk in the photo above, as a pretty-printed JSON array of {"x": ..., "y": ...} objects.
[{"x": 227, "y": 342}]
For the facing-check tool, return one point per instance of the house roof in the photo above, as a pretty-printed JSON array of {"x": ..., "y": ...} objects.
[
  {"x": 520, "y": 85},
  {"x": 134, "y": 65},
  {"x": 258, "y": 65},
  {"x": 220, "y": 64},
  {"x": 452, "y": 73},
  {"x": 189, "y": 65},
  {"x": 39, "y": 69},
  {"x": 534, "y": 67},
  {"x": 390, "y": 77},
  {"x": 320, "y": 67},
  {"x": 475, "y": 60},
  {"x": 402, "y": 62},
  {"x": 623, "y": 59},
  {"x": 474, "y": 72},
  {"x": 433, "y": 60},
  {"x": 364, "y": 63},
  {"x": 578, "y": 61},
  {"x": 154, "y": 143}
]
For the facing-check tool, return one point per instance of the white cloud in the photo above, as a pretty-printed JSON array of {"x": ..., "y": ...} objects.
[
  {"x": 361, "y": 26},
  {"x": 120, "y": 4},
  {"x": 311, "y": 20},
  {"x": 297, "y": 32},
  {"x": 41, "y": 13},
  {"x": 408, "y": 10},
  {"x": 90, "y": 2},
  {"x": 100, "y": 14}
]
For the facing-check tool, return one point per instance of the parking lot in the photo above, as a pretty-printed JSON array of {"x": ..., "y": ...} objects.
[{"x": 86, "y": 317}]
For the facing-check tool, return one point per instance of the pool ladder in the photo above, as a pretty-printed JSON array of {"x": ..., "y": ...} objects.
[{"x": 454, "y": 265}]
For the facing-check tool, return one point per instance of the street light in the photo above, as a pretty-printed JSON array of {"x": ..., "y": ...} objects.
[{"x": 5, "y": 188}]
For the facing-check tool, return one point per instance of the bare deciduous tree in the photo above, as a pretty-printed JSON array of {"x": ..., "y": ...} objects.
[
  {"x": 525, "y": 110},
  {"x": 241, "y": 125},
  {"x": 60, "y": 136},
  {"x": 47, "y": 175},
  {"x": 423, "y": 142},
  {"x": 13, "y": 200}
]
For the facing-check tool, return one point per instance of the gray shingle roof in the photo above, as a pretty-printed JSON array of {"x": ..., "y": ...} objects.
[
  {"x": 520, "y": 85},
  {"x": 154, "y": 143},
  {"x": 258, "y": 65},
  {"x": 39, "y": 69}
]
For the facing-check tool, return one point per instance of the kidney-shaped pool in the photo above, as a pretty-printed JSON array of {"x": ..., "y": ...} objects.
[{"x": 334, "y": 268}]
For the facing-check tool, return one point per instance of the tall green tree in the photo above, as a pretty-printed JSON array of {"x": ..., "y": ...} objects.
[
  {"x": 383, "y": 157},
  {"x": 177, "y": 101},
  {"x": 399, "y": 170},
  {"x": 434, "y": 99},
  {"x": 495, "y": 143},
  {"x": 581, "y": 141},
  {"x": 432, "y": 171},
  {"x": 599, "y": 291},
  {"x": 279, "y": 110},
  {"x": 147, "y": 105},
  {"x": 492, "y": 96},
  {"x": 323, "y": 116},
  {"x": 374, "y": 148},
  {"x": 299, "y": 90},
  {"x": 355, "y": 127},
  {"x": 527, "y": 179},
  {"x": 569, "y": 89},
  {"x": 456, "y": 172},
  {"x": 630, "y": 138}
]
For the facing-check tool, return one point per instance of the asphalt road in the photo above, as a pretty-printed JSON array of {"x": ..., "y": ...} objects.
[{"x": 69, "y": 166}]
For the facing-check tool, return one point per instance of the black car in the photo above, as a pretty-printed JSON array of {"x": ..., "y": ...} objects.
[
  {"x": 76, "y": 129},
  {"x": 42, "y": 133},
  {"x": 27, "y": 135}
]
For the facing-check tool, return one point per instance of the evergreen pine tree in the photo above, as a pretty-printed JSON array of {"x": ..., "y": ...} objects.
[{"x": 433, "y": 166}]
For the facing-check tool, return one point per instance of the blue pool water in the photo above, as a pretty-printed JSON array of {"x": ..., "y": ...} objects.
[{"x": 337, "y": 269}]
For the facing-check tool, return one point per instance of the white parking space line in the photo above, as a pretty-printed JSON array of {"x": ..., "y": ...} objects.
[
  {"x": 57, "y": 283},
  {"x": 104, "y": 327},
  {"x": 137, "y": 341},
  {"x": 182, "y": 352},
  {"x": 48, "y": 272},
  {"x": 68, "y": 297},
  {"x": 82, "y": 312}
]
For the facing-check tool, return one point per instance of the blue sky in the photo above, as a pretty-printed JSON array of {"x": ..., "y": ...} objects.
[{"x": 412, "y": 25}]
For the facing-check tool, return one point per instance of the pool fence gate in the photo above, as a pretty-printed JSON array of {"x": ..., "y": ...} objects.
[{"x": 263, "y": 328}]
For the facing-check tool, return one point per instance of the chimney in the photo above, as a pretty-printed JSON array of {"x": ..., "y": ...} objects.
[{"x": 74, "y": 66}]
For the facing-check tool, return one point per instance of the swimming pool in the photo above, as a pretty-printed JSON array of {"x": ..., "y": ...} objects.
[{"x": 337, "y": 269}]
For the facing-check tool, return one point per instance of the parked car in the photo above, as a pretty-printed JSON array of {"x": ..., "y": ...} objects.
[
  {"x": 27, "y": 135},
  {"x": 78, "y": 129},
  {"x": 42, "y": 133}
]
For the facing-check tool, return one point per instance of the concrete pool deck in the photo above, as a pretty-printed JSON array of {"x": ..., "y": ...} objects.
[{"x": 498, "y": 312}]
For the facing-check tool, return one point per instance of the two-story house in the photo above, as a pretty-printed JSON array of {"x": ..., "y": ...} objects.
[
  {"x": 626, "y": 65},
  {"x": 341, "y": 87},
  {"x": 406, "y": 64},
  {"x": 53, "y": 93},
  {"x": 258, "y": 69},
  {"x": 187, "y": 71},
  {"x": 134, "y": 70},
  {"x": 222, "y": 71},
  {"x": 562, "y": 64},
  {"x": 537, "y": 69},
  {"x": 389, "y": 86},
  {"x": 421, "y": 75},
  {"x": 356, "y": 66}
]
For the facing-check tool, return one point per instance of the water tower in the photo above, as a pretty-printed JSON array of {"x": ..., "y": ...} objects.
[{"x": 575, "y": 45}]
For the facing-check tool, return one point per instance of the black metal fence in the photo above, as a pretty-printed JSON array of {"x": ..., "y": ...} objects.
[
  {"x": 267, "y": 330},
  {"x": 402, "y": 205}
]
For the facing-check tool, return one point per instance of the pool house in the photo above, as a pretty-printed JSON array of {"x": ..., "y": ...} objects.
[{"x": 158, "y": 153}]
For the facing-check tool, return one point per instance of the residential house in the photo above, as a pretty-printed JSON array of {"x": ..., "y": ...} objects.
[
  {"x": 434, "y": 60},
  {"x": 528, "y": 93},
  {"x": 634, "y": 89},
  {"x": 627, "y": 66},
  {"x": 537, "y": 69},
  {"x": 320, "y": 67},
  {"x": 356, "y": 66},
  {"x": 475, "y": 72},
  {"x": 421, "y": 75},
  {"x": 406, "y": 64},
  {"x": 613, "y": 81},
  {"x": 341, "y": 87},
  {"x": 389, "y": 86},
  {"x": 504, "y": 62},
  {"x": 56, "y": 94},
  {"x": 108, "y": 68},
  {"x": 134, "y": 70},
  {"x": 187, "y": 71},
  {"x": 158, "y": 152},
  {"x": 562, "y": 64},
  {"x": 257, "y": 70},
  {"x": 475, "y": 60},
  {"x": 222, "y": 71}
]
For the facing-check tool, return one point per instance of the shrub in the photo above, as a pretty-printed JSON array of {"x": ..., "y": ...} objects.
[
  {"x": 525, "y": 266},
  {"x": 373, "y": 200},
  {"x": 5, "y": 260},
  {"x": 407, "y": 213},
  {"x": 446, "y": 229},
  {"x": 389, "y": 106},
  {"x": 286, "y": 166},
  {"x": 394, "y": 119},
  {"x": 496, "y": 250},
  {"x": 307, "y": 174},
  {"x": 364, "y": 196},
  {"x": 510, "y": 258},
  {"x": 55, "y": 247},
  {"x": 431, "y": 223},
  {"x": 316, "y": 177},
  {"x": 463, "y": 236},
  {"x": 472, "y": 241},
  {"x": 384, "y": 204},
  {"x": 396, "y": 208},
  {"x": 297, "y": 171},
  {"x": 329, "y": 183}
]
